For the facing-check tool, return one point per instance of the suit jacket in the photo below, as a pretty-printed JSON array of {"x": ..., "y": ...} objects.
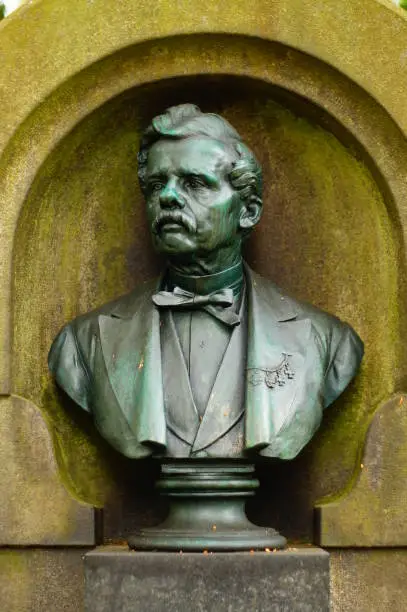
[
  {"x": 299, "y": 360},
  {"x": 220, "y": 433}
]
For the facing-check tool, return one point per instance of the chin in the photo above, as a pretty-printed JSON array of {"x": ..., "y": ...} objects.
[{"x": 173, "y": 245}]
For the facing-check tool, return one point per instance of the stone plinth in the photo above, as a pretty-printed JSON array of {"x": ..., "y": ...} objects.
[{"x": 118, "y": 580}]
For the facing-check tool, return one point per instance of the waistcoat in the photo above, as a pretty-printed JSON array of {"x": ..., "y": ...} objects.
[{"x": 219, "y": 431}]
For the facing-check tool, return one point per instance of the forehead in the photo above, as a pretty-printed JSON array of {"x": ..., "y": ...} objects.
[{"x": 195, "y": 155}]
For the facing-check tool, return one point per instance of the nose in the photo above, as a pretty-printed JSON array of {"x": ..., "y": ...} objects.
[{"x": 170, "y": 196}]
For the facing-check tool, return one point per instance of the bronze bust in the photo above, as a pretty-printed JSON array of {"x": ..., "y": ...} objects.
[{"x": 210, "y": 360}]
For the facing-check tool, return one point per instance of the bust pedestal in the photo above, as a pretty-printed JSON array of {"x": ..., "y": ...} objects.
[
  {"x": 207, "y": 509},
  {"x": 119, "y": 580}
]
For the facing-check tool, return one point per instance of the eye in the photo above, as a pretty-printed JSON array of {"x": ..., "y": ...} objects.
[
  {"x": 193, "y": 182},
  {"x": 156, "y": 186}
]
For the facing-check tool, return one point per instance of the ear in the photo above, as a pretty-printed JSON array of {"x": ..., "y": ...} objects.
[{"x": 250, "y": 213}]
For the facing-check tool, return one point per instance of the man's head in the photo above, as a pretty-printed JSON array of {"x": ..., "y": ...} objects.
[{"x": 201, "y": 183}]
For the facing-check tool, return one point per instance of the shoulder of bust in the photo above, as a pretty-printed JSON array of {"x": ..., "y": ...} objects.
[
  {"x": 325, "y": 323},
  {"x": 124, "y": 306}
]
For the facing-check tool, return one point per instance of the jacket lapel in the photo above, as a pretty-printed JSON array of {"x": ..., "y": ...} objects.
[
  {"x": 130, "y": 341},
  {"x": 226, "y": 401},
  {"x": 277, "y": 362},
  {"x": 280, "y": 410}
]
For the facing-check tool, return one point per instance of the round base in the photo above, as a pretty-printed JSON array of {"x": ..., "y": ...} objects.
[
  {"x": 207, "y": 510},
  {"x": 257, "y": 538}
]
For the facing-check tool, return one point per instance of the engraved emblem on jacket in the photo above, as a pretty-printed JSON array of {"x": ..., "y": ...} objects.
[{"x": 273, "y": 377}]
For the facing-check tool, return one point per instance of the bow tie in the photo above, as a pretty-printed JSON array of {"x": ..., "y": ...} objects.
[{"x": 219, "y": 303}]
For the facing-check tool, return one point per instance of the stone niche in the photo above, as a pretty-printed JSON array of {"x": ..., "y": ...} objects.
[
  {"x": 329, "y": 234},
  {"x": 323, "y": 120}
]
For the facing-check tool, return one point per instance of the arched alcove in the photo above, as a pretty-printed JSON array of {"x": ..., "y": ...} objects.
[
  {"x": 78, "y": 83},
  {"x": 330, "y": 235}
]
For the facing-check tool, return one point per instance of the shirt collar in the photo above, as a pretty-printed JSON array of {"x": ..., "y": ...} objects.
[{"x": 230, "y": 278}]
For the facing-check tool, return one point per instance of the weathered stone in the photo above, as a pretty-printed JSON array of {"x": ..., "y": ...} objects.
[
  {"x": 368, "y": 580},
  {"x": 35, "y": 508},
  {"x": 372, "y": 511},
  {"x": 33, "y": 580},
  {"x": 117, "y": 580},
  {"x": 335, "y": 151},
  {"x": 62, "y": 142},
  {"x": 97, "y": 260}
]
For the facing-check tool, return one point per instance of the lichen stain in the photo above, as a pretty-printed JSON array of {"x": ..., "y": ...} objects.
[{"x": 327, "y": 236}]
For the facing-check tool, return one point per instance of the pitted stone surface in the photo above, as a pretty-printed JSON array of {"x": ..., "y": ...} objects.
[
  {"x": 35, "y": 509},
  {"x": 295, "y": 580},
  {"x": 372, "y": 512}
]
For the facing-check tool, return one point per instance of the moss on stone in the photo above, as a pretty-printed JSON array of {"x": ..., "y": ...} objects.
[
  {"x": 16, "y": 581},
  {"x": 368, "y": 580},
  {"x": 372, "y": 512},
  {"x": 41, "y": 580},
  {"x": 327, "y": 235}
]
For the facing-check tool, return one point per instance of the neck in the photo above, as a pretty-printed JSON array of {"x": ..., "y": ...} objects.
[
  {"x": 231, "y": 277},
  {"x": 205, "y": 264}
]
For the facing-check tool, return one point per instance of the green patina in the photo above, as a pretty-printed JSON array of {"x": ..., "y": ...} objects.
[
  {"x": 339, "y": 179},
  {"x": 81, "y": 250}
]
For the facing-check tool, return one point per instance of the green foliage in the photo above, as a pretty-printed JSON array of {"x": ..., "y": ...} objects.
[{"x": 2, "y": 11}]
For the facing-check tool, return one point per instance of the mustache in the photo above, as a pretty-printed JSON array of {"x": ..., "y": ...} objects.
[{"x": 174, "y": 216}]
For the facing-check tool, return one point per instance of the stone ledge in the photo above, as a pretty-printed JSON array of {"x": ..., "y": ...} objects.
[
  {"x": 373, "y": 512},
  {"x": 35, "y": 509},
  {"x": 293, "y": 580}
]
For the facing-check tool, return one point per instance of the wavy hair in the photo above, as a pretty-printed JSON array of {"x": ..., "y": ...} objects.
[{"x": 186, "y": 121}]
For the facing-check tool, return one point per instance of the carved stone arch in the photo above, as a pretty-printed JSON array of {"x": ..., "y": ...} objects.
[{"x": 72, "y": 91}]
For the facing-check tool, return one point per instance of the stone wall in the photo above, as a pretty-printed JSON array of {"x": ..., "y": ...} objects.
[{"x": 315, "y": 88}]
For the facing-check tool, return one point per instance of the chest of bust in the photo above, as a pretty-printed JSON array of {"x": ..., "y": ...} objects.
[{"x": 203, "y": 365}]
